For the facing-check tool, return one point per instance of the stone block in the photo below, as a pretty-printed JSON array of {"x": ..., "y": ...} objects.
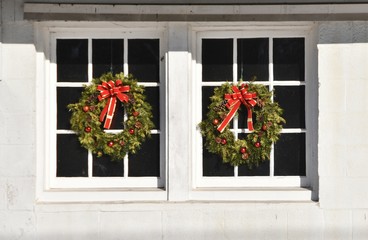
[
  {"x": 68, "y": 225},
  {"x": 20, "y": 193},
  {"x": 17, "y": 129},
  {"x": 305, "y": 224},
  {"x": 360, "y": 224},
  {"x": 17, "y": 225},
  {"x": 334, "y": 160},
  {"x": 19, "y": 61},
  {"x": 131, "y": 225},
  {"x": 357, "y": 163},
  {"x": 255, "y": 224},
  {"x": 338, "y": 224},
  {"x": 17, "y": 160},
  {"x": 183, "y": 224}
]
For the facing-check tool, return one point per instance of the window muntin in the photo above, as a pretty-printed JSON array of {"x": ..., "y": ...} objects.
[
  {"x": 90, "y": 56},
  {"x": 278, "y": 61}
]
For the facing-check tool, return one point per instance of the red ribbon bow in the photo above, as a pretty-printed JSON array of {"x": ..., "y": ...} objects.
[
  {"x": 111, "y": 91},
  {"x": 234, "y": 101}
]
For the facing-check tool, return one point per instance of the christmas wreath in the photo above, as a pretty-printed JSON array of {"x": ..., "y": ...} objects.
[
  {"x": 225, "y": 103},
  {"x": 97, "y": 106}
]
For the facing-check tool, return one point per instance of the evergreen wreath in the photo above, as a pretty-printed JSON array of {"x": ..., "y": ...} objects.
[
  {"x": 256, "y": 146},
  {"x": 97, "y": 104}
]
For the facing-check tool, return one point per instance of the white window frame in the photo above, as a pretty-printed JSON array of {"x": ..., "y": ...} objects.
[
  {"x": 257, "y": 187},
  {"x": 52, "y": 188}
]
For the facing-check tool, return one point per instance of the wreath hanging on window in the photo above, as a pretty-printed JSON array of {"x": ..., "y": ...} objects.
[
  {"x": 94, "y": 111},
  {"x": 265, "y": 130}
]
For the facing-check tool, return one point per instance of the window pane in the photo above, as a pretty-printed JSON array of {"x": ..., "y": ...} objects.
[
  {"x": 71, "y": 157},
  {"x": 107, "y": 56},
  {"x": 290, "y": 155},
  {"x": 217, "y": 60},
  {"x": 104, "y": 167},
  {"x": 153, "y": 98},
  {"x": 262, "y": 170},
  {"x": 65, "y": 96},
  {"x": 291, "y": 100},
  {"x": 144, "y": 59},
  {"x": 207, "y": 92},
  {"x": 72, "y": 60},
  {"x": 146, "y": 162},
  {"x": 288, "y": 58},
  {"x": 118, "y": 119},
  {"x": 213, "y": 165},
  {"x": 253, "y": 59}
]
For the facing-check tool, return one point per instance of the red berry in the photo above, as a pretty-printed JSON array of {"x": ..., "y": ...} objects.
[
  {"x": 264, "y": 127},
  {"x": 110, "y": 144},
  {"x": 131, "y": 131},
  {"x": 215, "y": 121},
  {"x": 85, "y": 108},
  {"x": 122, "y": 143},
  {"x": 135, "y": 114},
  {"x": 218, "y": 140},
  {"x": 87, "y": 129},
  {"x": 257, "y": 144},
  {"x": 243, "y": 150},
  {"x": 223, "y": 141}
]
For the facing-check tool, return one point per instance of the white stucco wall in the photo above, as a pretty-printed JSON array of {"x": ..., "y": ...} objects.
[{"x": 341, "y": 213}]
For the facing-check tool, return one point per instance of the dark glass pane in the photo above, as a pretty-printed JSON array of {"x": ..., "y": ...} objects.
[
  {"x": 207, "y": 92},
  {"x": 217, "y": 60},
  {"x": 292, "y": 101},
  {"x": 253, "y": 59},
  {"x": 153, "y": 98},
  {"x": 288, "y": 59},
  {"x": 104, "y": 167},
  {"x": 118, "y": 119},
  {"x": 263, "y": 169},
  {"x": 243, "y": 116},
  {"x": 65, "y": 96},
  {"x": 107, "y": 56},
  {"x": 72, "y": 60},
  {"x": 72, "y": 159},
  {"x": 290, "y": 155},
  {"x": 213, "y": 165},
  {"x": 144, "y": 59},
  {"x": 146, "y": 162}
]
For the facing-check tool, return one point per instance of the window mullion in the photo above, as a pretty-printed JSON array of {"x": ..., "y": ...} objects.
[
  {"x": 125, "y": 67},
  {"x": 90, "y": 76},
  {"x": 271, "y": 78},
  {"x": 235, "y": 81}
]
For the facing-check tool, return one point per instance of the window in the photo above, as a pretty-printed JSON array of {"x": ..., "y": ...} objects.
[
  {"x": 76, "y": 58},
  {"x": 279, "y": 59},
  {"x": 179, "y": 64}
]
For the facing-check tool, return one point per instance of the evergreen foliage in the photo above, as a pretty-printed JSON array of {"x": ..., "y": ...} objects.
[
  {"x": 256, "y": 147},
  {"x": 88, "y": 127}
]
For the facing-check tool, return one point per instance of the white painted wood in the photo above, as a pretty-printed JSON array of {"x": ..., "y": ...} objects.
[
  {"x": 270, "y": 181},
  {"x": 178, "y": 71},
  {"x": 194, "y": 9}
]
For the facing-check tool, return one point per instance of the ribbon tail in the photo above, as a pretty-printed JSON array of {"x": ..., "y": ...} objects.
[
  {"x": 250, "y": 119},
  {"x": 110, "y": 112},
  {"x": 228, "y": 118},
  {"x": 103, "y": 113}
]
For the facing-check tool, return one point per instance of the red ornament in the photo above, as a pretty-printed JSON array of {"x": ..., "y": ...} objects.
[
  {"x": 110, "y": 144},
  {"x": 85, "y": 108},
  {"x": 131, "y": 131},
  {"x": 257, "y": 144},
  {"x": 264, "y": 127},
  {"x": 87, "y": 129},
  {"x": 215, "y": 121},
  {"x": 243, "y": 150},
  {"x": 135, "y": 114},
  {"x": 223, "y": 141}
]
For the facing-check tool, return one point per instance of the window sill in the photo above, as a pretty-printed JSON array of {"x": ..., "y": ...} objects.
[
  {"x": 102, "y": 195},
  {"x": 251, "y": 194}
]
